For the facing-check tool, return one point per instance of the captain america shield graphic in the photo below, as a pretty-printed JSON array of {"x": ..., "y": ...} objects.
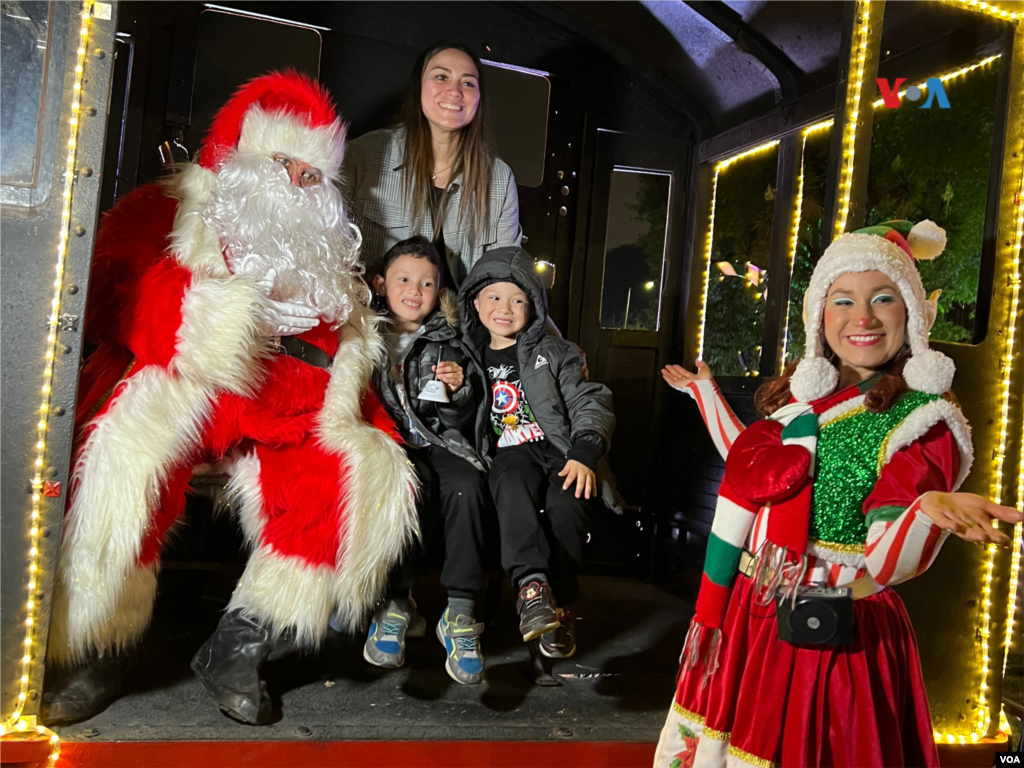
[{"x": 506, "y": 397}]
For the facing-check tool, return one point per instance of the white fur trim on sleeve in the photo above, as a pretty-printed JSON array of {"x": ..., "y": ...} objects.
[
  {"x": 380, "y": 492},
  {"x": 218, "y": 343},
  {"x": 153, "y": 423},
  {"x": 920, "y": 421}
]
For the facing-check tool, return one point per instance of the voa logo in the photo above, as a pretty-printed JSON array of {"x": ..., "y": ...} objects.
[
  {"x": 1005, "y": 758},
  {"x": 891, "y": 93}
]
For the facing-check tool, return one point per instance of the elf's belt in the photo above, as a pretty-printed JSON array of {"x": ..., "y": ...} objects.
[
  {"x": 302, "y": 350},
  {"x": 863, "y": 587}
]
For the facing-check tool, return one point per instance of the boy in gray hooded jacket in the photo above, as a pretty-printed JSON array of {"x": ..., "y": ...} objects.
[{"x": 549, "y": 428}]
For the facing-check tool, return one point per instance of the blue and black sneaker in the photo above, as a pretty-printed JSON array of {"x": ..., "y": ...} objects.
[
  {"x": 461, "y": 639},
  {"x": 385, "y": 643}
]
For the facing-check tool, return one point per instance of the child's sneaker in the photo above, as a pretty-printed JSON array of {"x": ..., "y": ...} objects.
[
  {"x": 560, "y": 643},
  {"x": 537, "y": 610},
  {"x": 465, "y": 662},
  {"x": 385, "y": 644}
]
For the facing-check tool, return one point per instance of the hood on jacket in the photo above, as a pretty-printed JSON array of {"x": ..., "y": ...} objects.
[{"x": 510, "y": 264}]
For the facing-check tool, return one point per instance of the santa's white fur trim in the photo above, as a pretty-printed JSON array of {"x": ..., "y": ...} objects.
[
  {"x": 119, "y": 629},
  {"x": 927, "y": 240},
  {"x": 920, "y": 421},
  {"x": 814, "y": 378},
  {"x": 152, "y": 425},
  {"x": 266, "y": 133},
  {"x": 380, "y": 487},
  {"x": 283, "y": 593},
  {"x": 930, "y": 372},
  {"x": 219, "y": 344},
  {"x": 192, "y": 242}
]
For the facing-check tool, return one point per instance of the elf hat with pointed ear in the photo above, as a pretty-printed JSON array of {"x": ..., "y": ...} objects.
[{"x": 892, "y": 249}]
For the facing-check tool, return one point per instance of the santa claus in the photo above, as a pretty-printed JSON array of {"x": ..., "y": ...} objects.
[{"x": 231, "y": 326}]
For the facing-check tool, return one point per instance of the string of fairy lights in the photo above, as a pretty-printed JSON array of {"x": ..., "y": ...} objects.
[
  {"x": 859, "y": 55},
  {"x": 16, "y": 722}
]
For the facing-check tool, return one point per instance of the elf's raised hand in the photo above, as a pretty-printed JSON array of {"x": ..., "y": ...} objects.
[
  {"x": 678, "y": 377},
  {"x": 969, "y": 516}
]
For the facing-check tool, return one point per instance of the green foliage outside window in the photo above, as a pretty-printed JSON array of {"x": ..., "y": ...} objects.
[{"x": 734, "y": 317}]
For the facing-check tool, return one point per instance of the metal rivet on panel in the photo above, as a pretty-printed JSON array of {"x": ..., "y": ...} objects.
[
  {"x": 562, "y": 211},
  {"x": 565, "y": 191},
  {"x": 99, "y": 53},
  {"x": 560, "y": 174},
  {"x": 72, "y": 289},
  {"x": 59, "y": 410},
  {"x": 79, "y": 230},
  {"x": 87, "y": 171},
  {"x": 90, "y": 111}
]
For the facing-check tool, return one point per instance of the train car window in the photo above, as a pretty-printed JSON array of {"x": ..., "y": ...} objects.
[
  {"x": 518, "y": 100},
  {"x": 738, "y": 271},
  {"x": 233, "y": 49},
  {"x": 25, "y": 44},
  {"x": 930, "y": 158},
  {"x": 634, "y": 258},
  {"x": 809, "y": 243}
]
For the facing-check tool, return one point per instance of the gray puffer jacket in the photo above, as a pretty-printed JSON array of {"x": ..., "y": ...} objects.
[
  {"x": 572, "y": 411},
  {"x": 443, "y": 424}
]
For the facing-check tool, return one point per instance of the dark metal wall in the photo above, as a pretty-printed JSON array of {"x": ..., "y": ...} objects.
[{"x": 30, "y": 245}]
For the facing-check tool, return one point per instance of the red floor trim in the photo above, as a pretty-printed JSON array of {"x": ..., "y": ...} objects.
[{"x": 350, "y": 754}]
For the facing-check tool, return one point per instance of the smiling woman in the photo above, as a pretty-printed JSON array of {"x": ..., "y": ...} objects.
[{"x": 435, "y": 173}]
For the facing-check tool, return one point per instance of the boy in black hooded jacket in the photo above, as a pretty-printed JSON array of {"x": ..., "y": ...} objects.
[{"x": 549, "y": 428}]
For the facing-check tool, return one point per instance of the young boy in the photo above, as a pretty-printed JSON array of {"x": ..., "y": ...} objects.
[
  {"x": 450, "y": 469},
  {"x": 550, "y": 426}
]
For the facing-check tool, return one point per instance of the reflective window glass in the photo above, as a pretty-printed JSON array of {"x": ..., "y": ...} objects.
[
  {"x": 738, "y": 271},
  {"x": 635, "y": 249},
  {"x": 24, "y": 43},
  {"x": 808, "y": 243},
  {"x": 932, "y": 162}
]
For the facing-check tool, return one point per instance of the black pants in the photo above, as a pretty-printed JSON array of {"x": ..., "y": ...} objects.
[
  {"x": 452, "y": 488},
  {"x": 543, "y": 528}
]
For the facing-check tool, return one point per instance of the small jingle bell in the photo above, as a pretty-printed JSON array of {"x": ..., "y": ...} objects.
[{"x": 434, "y": 391}]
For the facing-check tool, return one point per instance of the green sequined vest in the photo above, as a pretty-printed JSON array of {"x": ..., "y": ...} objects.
[{"x": 850, "y": 456}]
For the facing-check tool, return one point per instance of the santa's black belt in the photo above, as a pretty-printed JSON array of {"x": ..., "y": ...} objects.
[{"x": 304, "y": 351}]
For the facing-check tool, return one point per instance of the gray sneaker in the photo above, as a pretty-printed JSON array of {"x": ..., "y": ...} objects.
[
  {"x": 461, "y": 639},
  {"x": 385, "y": 643}
]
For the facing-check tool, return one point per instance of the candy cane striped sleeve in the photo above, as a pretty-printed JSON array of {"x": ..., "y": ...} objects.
[
  {"x": 719, "y": 418},
  {"x": 903, "y": 548},
  {"x": 902, "y": 541}
]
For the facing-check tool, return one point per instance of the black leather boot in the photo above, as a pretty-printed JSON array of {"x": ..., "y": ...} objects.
[
  {"x": 73, "y": 694},
  {"x": 229, "y": 666}
]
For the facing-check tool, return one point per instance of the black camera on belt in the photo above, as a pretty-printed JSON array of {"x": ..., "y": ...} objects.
[{"x": 818, "y": 616}]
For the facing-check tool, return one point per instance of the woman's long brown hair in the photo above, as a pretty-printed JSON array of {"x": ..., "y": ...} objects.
[
  {"x": 474, "y": 158},
  {"x": 889, "y": 388}
]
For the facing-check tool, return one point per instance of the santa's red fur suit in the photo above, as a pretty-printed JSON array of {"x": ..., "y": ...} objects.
[{"x": 182, "y": 375}]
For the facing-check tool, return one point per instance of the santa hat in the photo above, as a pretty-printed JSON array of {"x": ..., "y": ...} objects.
[
  {"x": 892, "y": 249},
  {"x": 284, "y": 112}
]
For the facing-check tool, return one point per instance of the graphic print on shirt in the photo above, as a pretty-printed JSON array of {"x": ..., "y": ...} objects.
[{"x": 511, "y": 417}]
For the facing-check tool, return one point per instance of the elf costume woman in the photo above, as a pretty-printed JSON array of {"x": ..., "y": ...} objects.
[{"x": 850, "y": 482}]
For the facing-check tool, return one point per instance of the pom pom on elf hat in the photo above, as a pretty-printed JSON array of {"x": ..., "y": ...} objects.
[{"x": 892, "y": 248}]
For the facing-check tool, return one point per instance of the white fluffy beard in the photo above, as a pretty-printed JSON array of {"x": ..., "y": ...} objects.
[{"x": 302, "y": 233}]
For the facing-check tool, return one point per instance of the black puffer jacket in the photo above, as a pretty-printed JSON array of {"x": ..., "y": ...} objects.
[
  {"x": 458, "y": 426},
  {"x": 571, "y": 410}
]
